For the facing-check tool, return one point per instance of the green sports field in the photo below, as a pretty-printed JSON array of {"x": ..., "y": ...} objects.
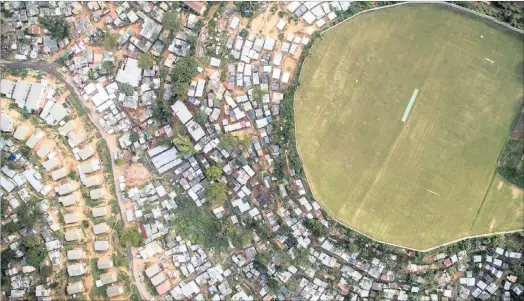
[{"x": 425, "y": 181}]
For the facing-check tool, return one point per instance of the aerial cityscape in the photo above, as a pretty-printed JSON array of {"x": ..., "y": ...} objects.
[{"x": 242, "y": 150}]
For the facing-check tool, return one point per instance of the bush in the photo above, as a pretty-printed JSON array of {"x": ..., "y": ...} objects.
[
  {"x": 131, "y": 236},
  {"x": 146, "y": 60},
  {"x": 57, "y": 26}
]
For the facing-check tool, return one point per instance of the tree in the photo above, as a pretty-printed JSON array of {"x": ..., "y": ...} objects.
[
  {"x": 10, "y": 228},
  {"x": 45, "y": 271},
  {"x": 247, "y": 9},
  {"x": 273, "y": 285},
  {"x": 146, "y": 60},
  {"x": 213, "y": 173},
  {"x": 183, "y": 144},
  {"x": 199, "y": 226},
  {"x": 171, "y": 21},
  {"x": 31, "y": 241},
  {"x": 258, "y": 95},
  {"x": 243, "y": 32},
  {"x": 35, "y": 256},
  {"x": 201, "y": 117},
  {"x": 184, "y": 70},
  {"x": 108, "y": 65},
  {"x": 72, "y": 175},
  {"x": 316, "y": 227},
  {"x": 301, "y": 258},
  {"x": 57, "y": 26},
  {"x": 131, "y": 236},
  {"x": 126, "y": 88},
  {"x": 29, "y": 214},
  {"x": 198, "y": 25},
  {"x": 216, "y": 193},
  {"x": 161, "y": 112},
  {"x": 230, "y": 142},
  {"x": 110, "y": 41},
  {"x": 262, "y": 258},
  {"x": 134, "y": 137},
  {"x": 119, "y": 162}
]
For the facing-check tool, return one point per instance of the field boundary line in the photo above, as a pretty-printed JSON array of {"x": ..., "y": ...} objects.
[
  {"x": 457, "y": 7},
  {"x": 332, "y": 216}
]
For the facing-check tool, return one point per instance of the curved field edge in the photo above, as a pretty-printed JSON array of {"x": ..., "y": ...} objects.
[{"x": 499, "y": 228}]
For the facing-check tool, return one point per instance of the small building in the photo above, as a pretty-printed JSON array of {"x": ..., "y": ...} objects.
[
  {"x": 101, "y": 245},
  {"x": 96, "y": 194},
  {"x": 108, "y": 278},
  {"x": 59, "y": 174},
  {"x": 68, "y": 200},
  {"x": 72, "y": 235},
  {"x": 75, "y": 288},
  {"x": 75, "y": 254},
  {"x": 104, "y": 263},
  {"x": 101, "y": 228},
  {"x": 6, "y": 123},
  {"x": 78, "y": 269},
  {"x": 152, "y": 270},
  {"x": 71, "y": 218},
  {"x": 99, "y": 211},
  {"x": 114, "y": 290}
]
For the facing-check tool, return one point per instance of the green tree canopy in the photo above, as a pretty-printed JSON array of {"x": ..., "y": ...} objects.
[
  {"x": 57, "y": 26},
  {"x": 201, "y": 117},
  {"x": 316, "y": 227},
  {"x": 171, "y": 21},
  {"x": 31, "y": 241},
  {"x": 131, "y": 236},
  {"x": 110, "y": 41},
  {"x": 198, "y": 225},
  {"x": 184, "y": 70},
  {"x": 161, "y": 111},
  {"x": 183, "y": 144},
  {"x": 29, "y": 214},
  {"x": 146, "y": 60},
  {"x": 216, "y": 193},
  {"x": 213, "y": 173},
  {"x": 134, "y": 136},
  {"x": 36, "y": 255}
]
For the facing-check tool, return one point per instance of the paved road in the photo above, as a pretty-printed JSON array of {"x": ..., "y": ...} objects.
[{"x": 112, "y": 145}]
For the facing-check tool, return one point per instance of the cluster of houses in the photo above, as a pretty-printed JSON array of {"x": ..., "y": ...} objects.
[
  {"x": 43, "y": 174},
  {"x": 244, "y": 103}
]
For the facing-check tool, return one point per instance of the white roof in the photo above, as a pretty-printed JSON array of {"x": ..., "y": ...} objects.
[
  {"x": 130, "y": 73},
  {"x": 6, "y": 123},
  {"x": 195, "y": 130},
  {"x": 234, "y": 22},
  {"x": 7, "y": 87},
  {"x": 21, "y": 132},
  {"x": 181, "y": 111},
  {"x": 99, "y": 211}
]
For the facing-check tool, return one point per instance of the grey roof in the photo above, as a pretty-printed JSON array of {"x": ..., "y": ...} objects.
[
  {"x": 75, "y": 254},
  {"x": 101, "y": 245},
  {"x": 101, "y": 228},
  {"x": 74, "y": 288},
  {"x": 104, "y": 263},
  {"x": 76, "y": 269},
  {"x": 99, "y": 211},
  {"x": 72, "y": 234}
]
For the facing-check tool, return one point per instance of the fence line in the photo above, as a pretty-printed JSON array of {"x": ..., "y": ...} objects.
[
  {"x": 490, "y": 18},
  {"x": 332, "y": 216}
]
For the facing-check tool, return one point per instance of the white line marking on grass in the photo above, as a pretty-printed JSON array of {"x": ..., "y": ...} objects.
[
  {"x": 432, "y": 192},
  {"x": 410, "y": 104}
]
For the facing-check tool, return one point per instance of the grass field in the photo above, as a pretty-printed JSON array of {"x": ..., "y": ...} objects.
[{"x": 425, "y": 181}]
